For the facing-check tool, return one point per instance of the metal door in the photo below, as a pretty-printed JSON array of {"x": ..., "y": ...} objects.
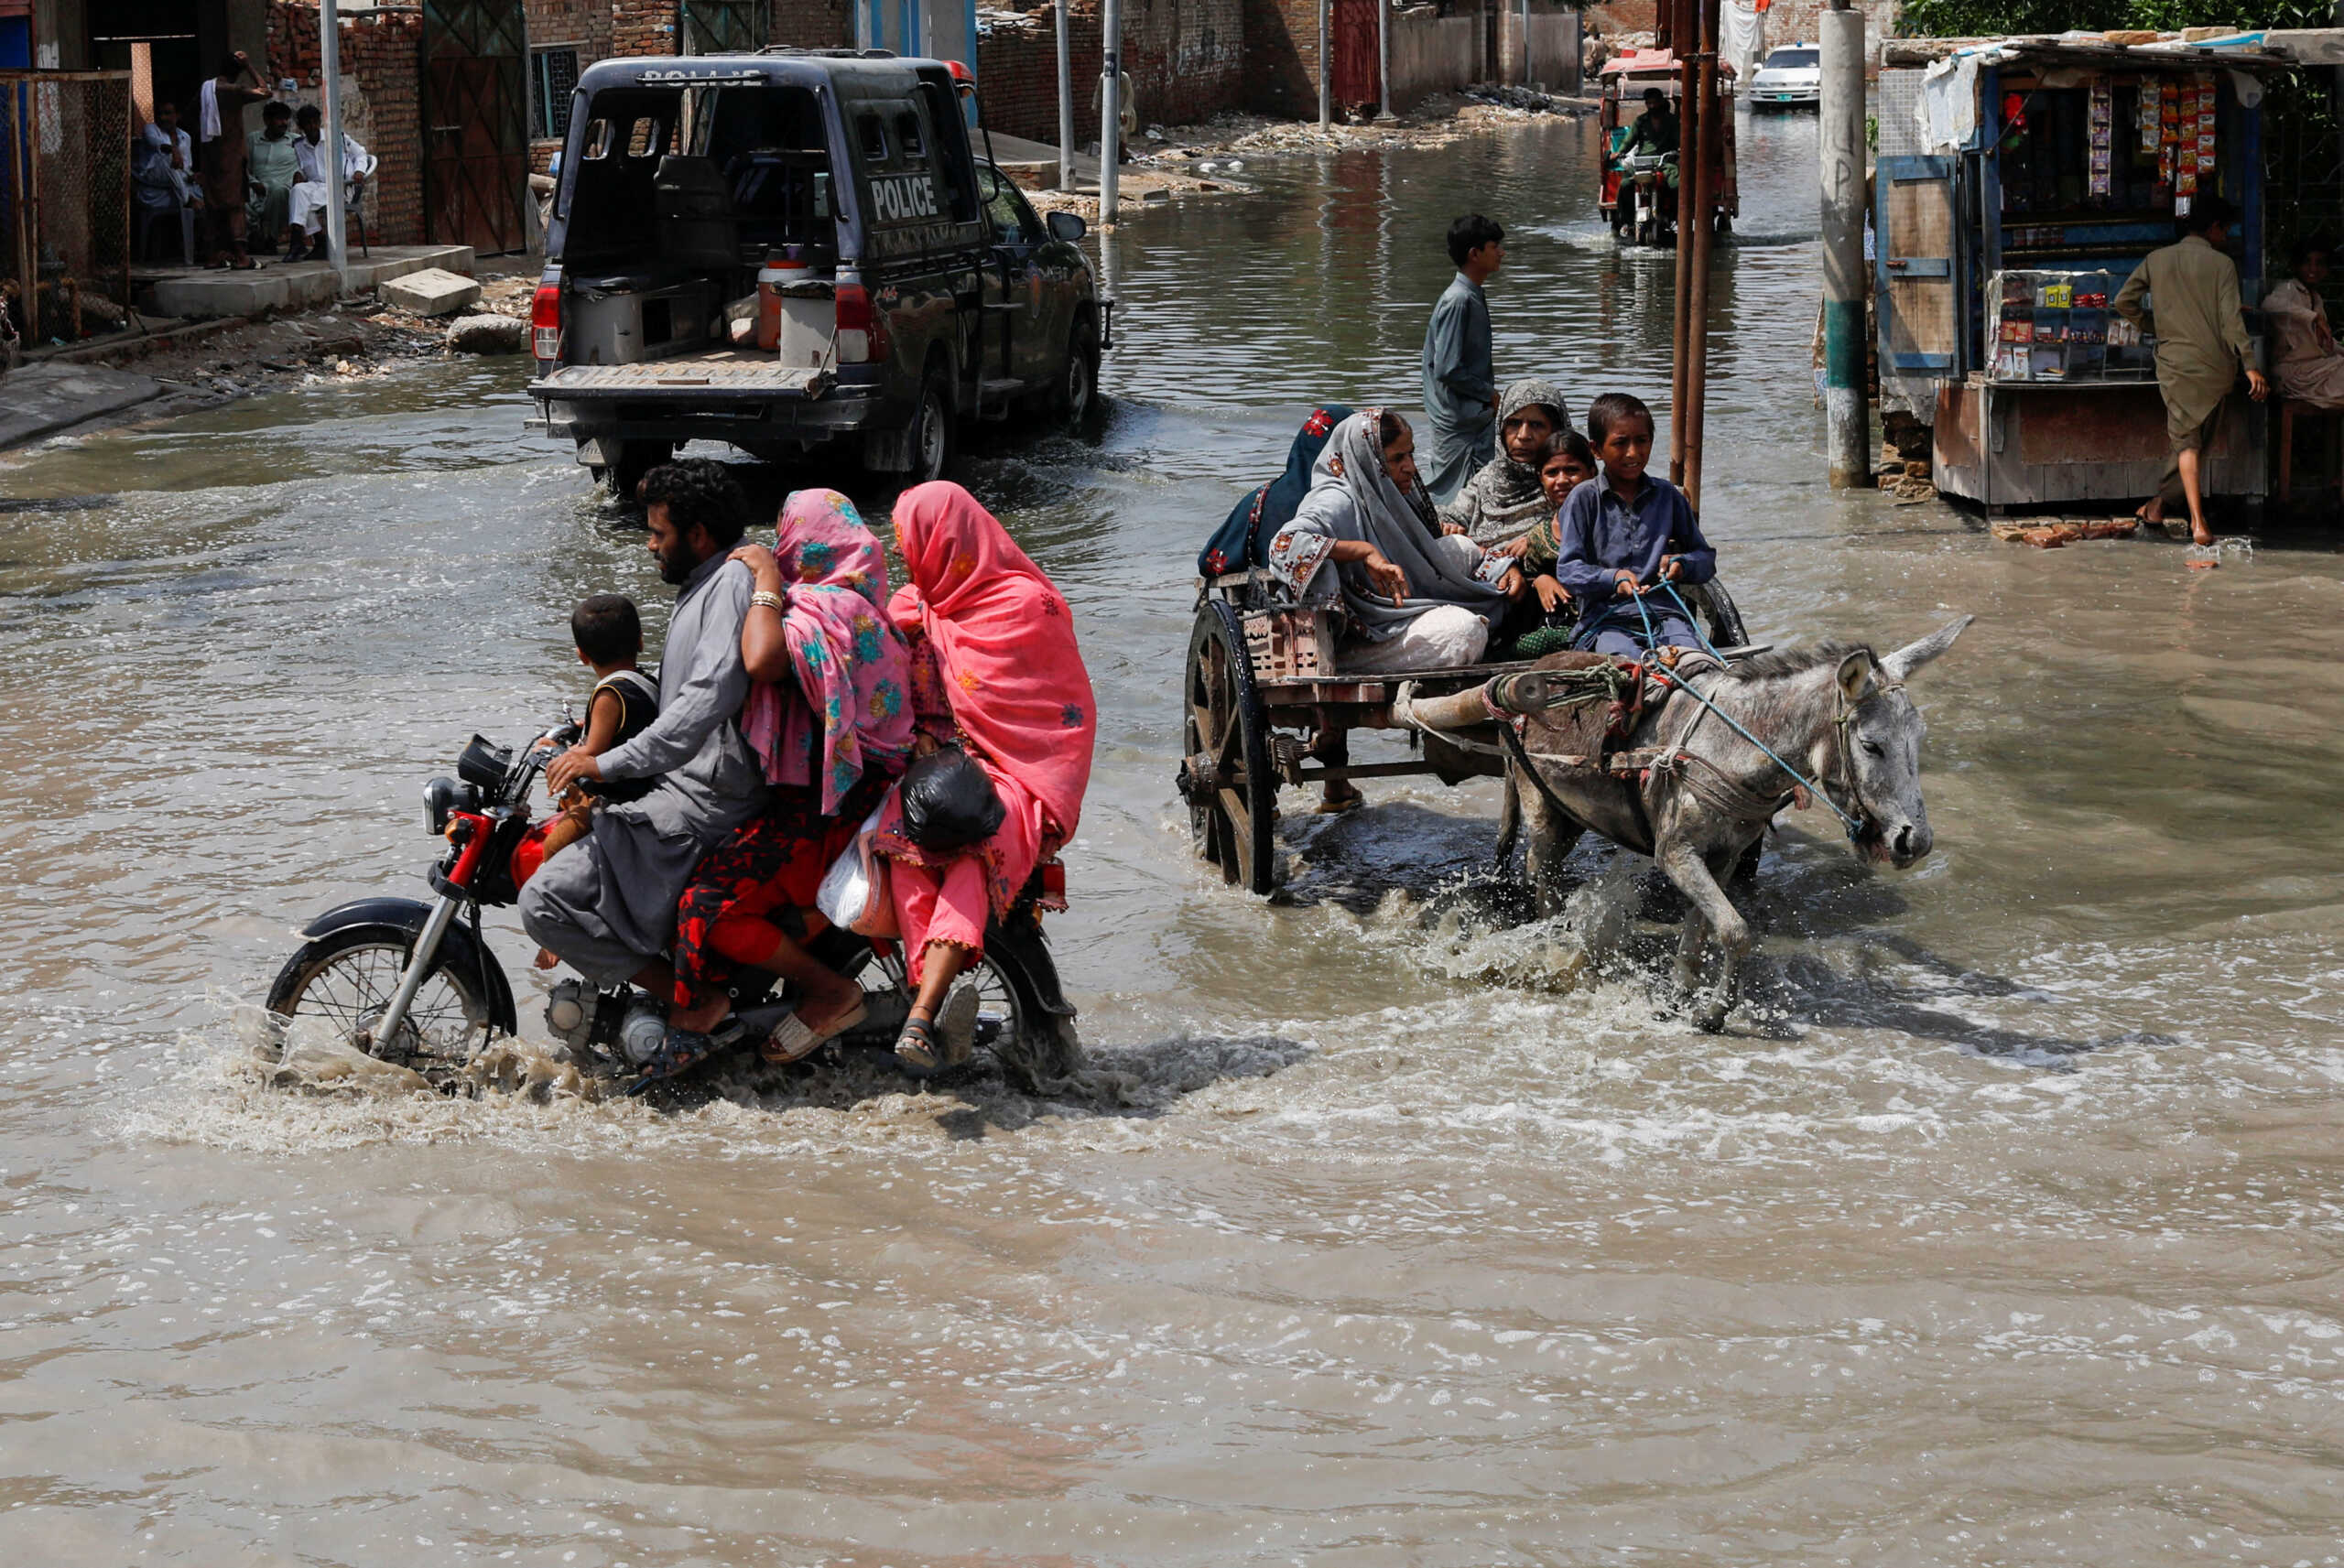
[
  {"x": 721, "y": 27},
  {"x": 475, "y": 124},
  {"x": 1920, "y": 296},
  {"x": 1357, "y": 51}
]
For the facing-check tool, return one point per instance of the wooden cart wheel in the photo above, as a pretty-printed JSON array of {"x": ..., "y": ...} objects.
[{"x": 1225, "y": 772}]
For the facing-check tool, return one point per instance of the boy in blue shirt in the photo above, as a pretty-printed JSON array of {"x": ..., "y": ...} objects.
[{"x": 1623, "y": 539}]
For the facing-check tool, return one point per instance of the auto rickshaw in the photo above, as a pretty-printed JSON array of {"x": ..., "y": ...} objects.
[{"x": 1638, "y": 194}]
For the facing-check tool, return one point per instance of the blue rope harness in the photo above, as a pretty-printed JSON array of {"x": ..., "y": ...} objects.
[{"x": 1814, "y": 790}]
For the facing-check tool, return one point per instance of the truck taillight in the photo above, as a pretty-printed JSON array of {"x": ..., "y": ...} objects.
[
  {"x": 545, "y": 321},
  {"x": 862, "y": 337}
]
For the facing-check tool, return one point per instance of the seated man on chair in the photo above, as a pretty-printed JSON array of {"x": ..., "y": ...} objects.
[
  {"x": 310, "y": 197},
  {"x": 2305, "y": 362},
  {"x": 165, "y": 170}
]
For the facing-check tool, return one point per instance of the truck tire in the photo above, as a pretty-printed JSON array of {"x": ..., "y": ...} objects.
[
  {"x": 930, "y": 443},
  {"x": 635, "y": 459},
  {"x": 1076, "y": 401}
]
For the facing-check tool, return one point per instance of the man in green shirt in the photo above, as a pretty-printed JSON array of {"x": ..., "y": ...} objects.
[
  {"x": 273, "y": 164},
  {"x": 2201, "y": 344}
]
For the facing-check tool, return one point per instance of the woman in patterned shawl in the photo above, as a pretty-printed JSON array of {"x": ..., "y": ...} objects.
[{"x": 831, "y": 718}]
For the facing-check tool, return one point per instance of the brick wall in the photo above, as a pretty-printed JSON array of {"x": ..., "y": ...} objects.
[
  {"x": 379, "y": 51},
  {"x": 1186, "y": 59}
]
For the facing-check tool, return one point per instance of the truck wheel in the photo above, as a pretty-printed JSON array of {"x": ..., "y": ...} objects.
[
  {"x": 635, "y": 460},
  {"x": 1076, "y": 398},
  {"x": 931, "y": 434}
]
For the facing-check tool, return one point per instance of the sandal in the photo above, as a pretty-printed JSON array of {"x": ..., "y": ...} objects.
[
  {"x": 918, "y": 1050},
  {"x": 1335, "y": 806},
  {"x": 928, "y": 1047},
  {"x": 794, "y": 1040}
]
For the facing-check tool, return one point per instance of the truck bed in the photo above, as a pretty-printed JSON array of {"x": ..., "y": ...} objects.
[{"x": 718, "y": 375}]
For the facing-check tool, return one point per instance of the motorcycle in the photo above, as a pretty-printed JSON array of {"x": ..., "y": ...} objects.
[
  {"x": 1646, "y": 211},
  {"x": 416, "y": 984}
]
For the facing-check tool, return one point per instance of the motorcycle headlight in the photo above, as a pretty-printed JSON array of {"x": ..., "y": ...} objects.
[{"x": 442, "y": 798}]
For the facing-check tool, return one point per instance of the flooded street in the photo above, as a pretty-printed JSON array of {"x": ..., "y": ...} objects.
[{"x": 2001, "y": 1227}]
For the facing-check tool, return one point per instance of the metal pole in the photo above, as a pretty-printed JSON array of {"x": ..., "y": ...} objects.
[
  {"x": 1526, "y": 43},
  {"x": 1328, "y": 76},
  {"x": 1111, "y": 105},
  {"x": 329, "y": 135},
  {"x": 1066, "y": 103},
  {"x": 1680, "y": 41},
  {"x": 1847, "y": 424},
  {"x": 1574, "y": 70},
  {"x": 1383, "y": 55},
  {"x": 1709, "y": 148}
]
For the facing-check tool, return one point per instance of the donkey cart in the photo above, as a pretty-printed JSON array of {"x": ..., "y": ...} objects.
[{"x": 1265, "y": 704}]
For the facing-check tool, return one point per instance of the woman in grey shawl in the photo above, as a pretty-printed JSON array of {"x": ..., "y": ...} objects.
[
  {"x": 1365, "y": 537},
  {"x": 1504, "y": 501}
]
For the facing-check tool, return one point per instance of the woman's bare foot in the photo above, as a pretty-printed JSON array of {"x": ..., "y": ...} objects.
[{"x": 2199, "y": 533}]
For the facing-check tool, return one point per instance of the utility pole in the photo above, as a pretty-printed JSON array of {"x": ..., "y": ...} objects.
[
  {"x": 1527, "y": 80},
  {"x": 1066, "y": 103},
  {"x": 1680, "y": 42},
  {"x": 1574, "y": 71},
  {"x": 1696, "y": 245},
  {"x": 1110, "y": 105},
  {"x": 1383, "y": 55},
  {"x": 1328, "y": 76},
  {"x": 330, "y": 137},
  {"x": 1848, "y": 423}
]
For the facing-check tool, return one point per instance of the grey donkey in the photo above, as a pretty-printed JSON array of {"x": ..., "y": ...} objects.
[{"x": 1837, "y": 712}]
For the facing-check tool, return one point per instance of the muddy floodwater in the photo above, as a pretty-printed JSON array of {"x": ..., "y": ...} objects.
[{"x": 2001, "y": 1227}]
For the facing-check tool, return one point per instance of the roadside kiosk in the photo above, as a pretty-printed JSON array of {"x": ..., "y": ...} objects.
[{"x": 2048, "y": 169}]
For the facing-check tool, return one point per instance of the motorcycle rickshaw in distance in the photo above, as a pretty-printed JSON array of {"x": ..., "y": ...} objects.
[{"x": 1638, "y": 195}]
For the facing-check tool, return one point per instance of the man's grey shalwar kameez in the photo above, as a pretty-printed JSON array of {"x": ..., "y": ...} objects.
[
  {"x": 607, "y": 904},
  {"x": 1460, "y": 381}
]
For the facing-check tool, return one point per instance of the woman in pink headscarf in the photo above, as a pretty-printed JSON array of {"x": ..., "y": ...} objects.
[
  {"x": 995, "y": 670},
  {"x": 831, "y": 718}
]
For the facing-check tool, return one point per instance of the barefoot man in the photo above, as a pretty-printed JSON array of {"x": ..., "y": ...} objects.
[{"x": 2201, "y": 344}]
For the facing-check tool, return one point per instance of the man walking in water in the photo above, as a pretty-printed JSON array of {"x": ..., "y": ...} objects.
[
  {"x": 2201, "y": 343},
  {"x": 1461, "y": 381},
  {"x": 607, "y": 906}
]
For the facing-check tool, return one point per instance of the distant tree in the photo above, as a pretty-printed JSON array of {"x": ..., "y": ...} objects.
[{"x": 1985, "y": 18}]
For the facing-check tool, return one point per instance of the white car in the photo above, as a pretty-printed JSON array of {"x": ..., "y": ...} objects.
[{"x": 1793, "y": 74}]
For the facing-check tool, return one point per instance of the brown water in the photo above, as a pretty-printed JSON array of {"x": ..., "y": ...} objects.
[{"x": 2002, "y": 1225}]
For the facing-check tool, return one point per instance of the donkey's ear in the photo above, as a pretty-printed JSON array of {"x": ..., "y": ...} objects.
[
  {"x": 1855, "y": 676},
  {"x": 1901, "y": 664}
]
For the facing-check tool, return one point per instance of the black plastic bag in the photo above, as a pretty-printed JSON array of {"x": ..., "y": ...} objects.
[{"x": 948, "y": 803}]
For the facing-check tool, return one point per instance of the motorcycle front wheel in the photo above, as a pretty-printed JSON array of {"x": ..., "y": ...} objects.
[{"x": 346, "y": 979}]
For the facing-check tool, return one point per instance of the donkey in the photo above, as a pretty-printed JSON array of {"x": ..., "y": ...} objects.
[{"x": 1836, "y": 712}]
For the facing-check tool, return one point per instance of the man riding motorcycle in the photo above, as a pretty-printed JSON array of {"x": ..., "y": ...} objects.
[
  {"x": 607, "y": 905},
  {"x": 1658, "y": 131}
]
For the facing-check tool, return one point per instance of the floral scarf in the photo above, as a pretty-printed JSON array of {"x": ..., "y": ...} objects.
[{"x": 851, "y": 705}]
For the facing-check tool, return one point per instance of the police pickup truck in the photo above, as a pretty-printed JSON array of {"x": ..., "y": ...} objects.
[{"x": 794, "y": 250}]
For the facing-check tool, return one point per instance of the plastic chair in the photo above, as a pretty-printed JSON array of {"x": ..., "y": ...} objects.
[
  {"x": 2332, "y": 457},
  {"x": 150, "y": 216}
]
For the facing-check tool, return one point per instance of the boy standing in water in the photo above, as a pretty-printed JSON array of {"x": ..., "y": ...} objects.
[
  {"x": 1619, "y": 540},
  {"x": 1460, "y": 379}
]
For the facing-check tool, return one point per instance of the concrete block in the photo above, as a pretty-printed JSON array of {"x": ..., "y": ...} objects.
[
  {"x": 432, "y": 292},
  {"x": 488, "y": 335}
]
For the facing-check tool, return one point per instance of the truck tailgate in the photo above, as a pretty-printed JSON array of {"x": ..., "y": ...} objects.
[{"x": 700, "y": 378}]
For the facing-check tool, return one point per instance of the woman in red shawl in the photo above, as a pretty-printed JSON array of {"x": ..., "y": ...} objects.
[{"x": 994, "y": 669}]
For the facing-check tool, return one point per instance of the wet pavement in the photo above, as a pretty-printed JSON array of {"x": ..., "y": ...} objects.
[{"x": 2001, "y": 1227}]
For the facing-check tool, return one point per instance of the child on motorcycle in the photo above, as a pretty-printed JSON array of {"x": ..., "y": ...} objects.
[{"x": 607, "y": 630}]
